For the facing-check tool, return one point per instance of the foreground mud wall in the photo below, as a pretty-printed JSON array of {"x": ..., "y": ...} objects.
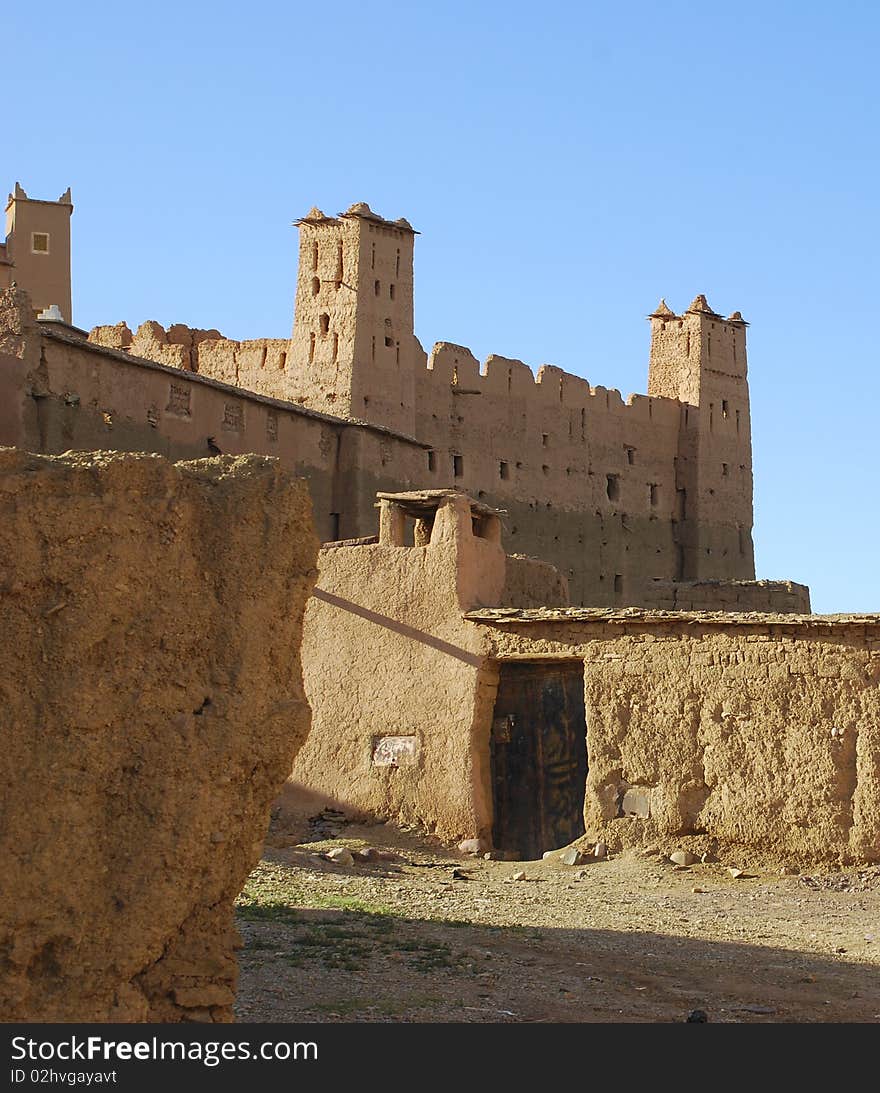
[{"x": 151, "y": 705}]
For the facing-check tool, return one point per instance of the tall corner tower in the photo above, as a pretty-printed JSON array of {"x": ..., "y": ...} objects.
[
  {"x": 353, "y": 341},
  {"x": 699, "y": 359},
  {"x": 38, "y": 249}
]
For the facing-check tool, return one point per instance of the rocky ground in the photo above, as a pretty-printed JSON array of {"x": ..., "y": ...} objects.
[{"x": 427, "y": 934}]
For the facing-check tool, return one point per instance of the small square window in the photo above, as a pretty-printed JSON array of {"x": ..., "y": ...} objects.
[
  {"x": 457, "y": 466},
  {"x": 40, "y": 242}
]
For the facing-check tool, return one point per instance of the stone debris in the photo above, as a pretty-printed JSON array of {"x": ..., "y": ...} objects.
[
  {"x": 696, "y": 1017},
  {"x": 600, "y": 850},
  {"x": 735, "y": 873},
  {"x": 519, "y": 875},
  {"x": 367, "y": 854},
  {"x": 326, "y": 824},
  {"x": 572, "y": 856},
  {"x": 683, "y": 857},
  {"x": 340, "y": 855},
  {"x": 473, "y": 846}
]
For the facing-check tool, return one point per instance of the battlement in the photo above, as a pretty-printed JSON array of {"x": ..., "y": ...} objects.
[
  {"x": 614, "y": 491},
  {"x": 360, "y": 210},
  {"x": 454, "y": 366}
]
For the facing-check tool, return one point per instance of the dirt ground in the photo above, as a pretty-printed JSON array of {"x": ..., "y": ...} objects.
[{"x": 435, "y": 936}]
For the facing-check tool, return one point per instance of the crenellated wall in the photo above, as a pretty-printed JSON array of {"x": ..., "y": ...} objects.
[{"x": 618, "y": 495}]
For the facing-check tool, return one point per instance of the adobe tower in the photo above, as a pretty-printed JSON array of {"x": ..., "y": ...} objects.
[
  {"x": 353, "y": 344},
  {"x": 699, "y": 359},
  {"x": 36, "y": 254}
]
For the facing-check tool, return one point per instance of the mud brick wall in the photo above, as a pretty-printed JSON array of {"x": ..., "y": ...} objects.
[{"x": 151, "y": 704}]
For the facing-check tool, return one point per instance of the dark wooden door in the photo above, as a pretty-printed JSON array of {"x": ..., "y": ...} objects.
[{"x": 539, "y": 756}]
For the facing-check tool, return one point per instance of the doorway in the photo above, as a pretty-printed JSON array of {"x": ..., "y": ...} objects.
[{"x": 538, "y": 756}]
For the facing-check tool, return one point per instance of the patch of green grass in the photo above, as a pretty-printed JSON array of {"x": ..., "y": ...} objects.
[{"x": 272, "y": 894}]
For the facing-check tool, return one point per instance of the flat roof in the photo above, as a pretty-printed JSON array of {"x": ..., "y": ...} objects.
[{"x": 618, "y": 616}]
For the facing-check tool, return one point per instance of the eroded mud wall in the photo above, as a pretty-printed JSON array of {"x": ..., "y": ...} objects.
[{"x": 151, "y": 705}]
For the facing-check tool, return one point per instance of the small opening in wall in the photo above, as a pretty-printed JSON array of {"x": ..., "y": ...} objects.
[
  {"x": 432, "y": 461},
  {"x": 618, "y": 584},
  {"x": 40, "y": 242},
  {"x": 457, "y": 466},
  {"x": 612, "y": 486},
  {"x": 377, "y": 287},
  {"x": 545, "y": 440},
  {"x": 397, "y": 355},
  {"x": 335, "y": 347},
  {"x": 282, "y": 361},
  {"x": 391, "y": 291},
  {"x": 339, "y": 262},
  {"x": 316, "y": 286},
  {"x": 711, "y": 414},
  {"x": 366, "y": 400},
  {"x": 725, "y": 413},
  {"x": 545, "y": 469},
  {"x": 503, "y": 471},
  {"x": 334, "y": 527},
  {"x": 389, "y": 342},
  {"x": 373, "y": 348},
  {"x": 397, "y": 264},
  {"x": 725, "y": 470},
  {"x": 311, "y": 347},
  {"x": 737, "y": 420},
  {"x": 325, "y": 323},
  {"x": 314, "y": 255},
  {"x": 631, "y": 456},
  {"x": 372, "y": 256},
  {"x": 653, "y": 494}
]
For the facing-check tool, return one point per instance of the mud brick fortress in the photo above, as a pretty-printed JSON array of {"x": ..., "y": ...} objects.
[
  {"x": 533, "y": 620},
  {"x": 645, "y": 502}
]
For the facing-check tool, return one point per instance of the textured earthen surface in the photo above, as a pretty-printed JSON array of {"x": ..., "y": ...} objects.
[
  {"x": 740, "y": 729},
  {"x": 152, "y": 703},
  {"x": 751, "y": 730},
  {"x": 620, "y": 495}
]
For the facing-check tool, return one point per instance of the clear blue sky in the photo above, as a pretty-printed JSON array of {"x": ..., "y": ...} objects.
[{"x": 566, "y": 163}]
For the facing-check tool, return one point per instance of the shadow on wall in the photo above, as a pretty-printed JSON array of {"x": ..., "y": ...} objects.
[{"x": 399, "y": 628}]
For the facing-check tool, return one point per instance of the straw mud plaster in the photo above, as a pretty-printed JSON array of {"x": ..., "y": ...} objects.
[
  {"x": 626, "y": 498},
  {"x": 447, "y": 698},
  {"x": 151, "y": 702}
]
